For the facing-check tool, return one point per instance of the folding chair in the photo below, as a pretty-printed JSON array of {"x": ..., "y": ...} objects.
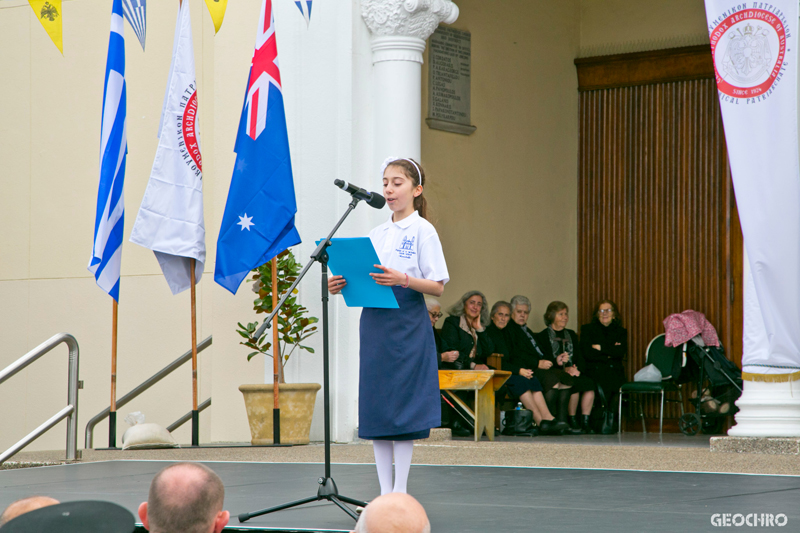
[{"x": 668, "y": 361}]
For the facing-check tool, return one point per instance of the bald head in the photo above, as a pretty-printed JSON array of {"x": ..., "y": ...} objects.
[
  {"x": 394, "y": 513},
  {"x": 26, "y": 505},
  {"x": 184, "y": 497}
]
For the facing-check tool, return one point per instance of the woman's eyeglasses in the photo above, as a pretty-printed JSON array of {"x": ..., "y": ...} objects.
[
  {"x": 605, "y": 311},
  {"x": 437, "y": 316}
]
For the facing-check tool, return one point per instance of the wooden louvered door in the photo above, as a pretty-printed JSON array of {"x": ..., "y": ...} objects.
[{"x": 658, "y": 230}]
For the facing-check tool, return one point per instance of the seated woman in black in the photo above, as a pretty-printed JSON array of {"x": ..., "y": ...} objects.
[
  {"x": 526, "y": 390},
  {"x": 526, "y": 359},
  {"x": 560, "y": 346},
  {"x": 604, "y": 343},
  {"x": 464, "y": 331},
  {"x": 450, "y": 419},
  {"x": 435, "y": 313}
]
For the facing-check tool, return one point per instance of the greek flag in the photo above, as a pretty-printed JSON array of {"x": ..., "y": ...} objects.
[
  {"x": 109, "y": 220},
  {"x": 136, "y": 15}
]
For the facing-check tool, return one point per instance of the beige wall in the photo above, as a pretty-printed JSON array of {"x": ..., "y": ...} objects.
[
  {"x": 49, "y": 144},
  {"x": 505, "y": 198},
  {"x": 622, "y": 26}
]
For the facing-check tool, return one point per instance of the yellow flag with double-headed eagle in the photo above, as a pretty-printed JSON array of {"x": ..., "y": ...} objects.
[
  {"x": 49, "y": 14},
  {"x": 217, "y": 10}
]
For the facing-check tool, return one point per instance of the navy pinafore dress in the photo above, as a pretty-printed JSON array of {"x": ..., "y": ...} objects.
[{"x": 398, "y": 375}]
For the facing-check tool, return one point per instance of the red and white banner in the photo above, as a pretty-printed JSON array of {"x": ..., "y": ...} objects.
[
  {"x": 754, "y": 51},
  {"x": 170, "y": 220}
]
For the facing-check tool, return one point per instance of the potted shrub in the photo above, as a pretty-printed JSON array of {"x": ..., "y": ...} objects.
[{"x": 294, "y": 327}]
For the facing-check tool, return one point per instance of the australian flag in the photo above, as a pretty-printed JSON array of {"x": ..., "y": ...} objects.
[{"x": 258, "y": 222}]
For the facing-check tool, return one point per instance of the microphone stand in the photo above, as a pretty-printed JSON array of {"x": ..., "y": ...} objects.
[{"x": 327, "y": 487}]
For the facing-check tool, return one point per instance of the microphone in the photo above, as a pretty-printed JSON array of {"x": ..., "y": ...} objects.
[{"x": 372, "y": 199}]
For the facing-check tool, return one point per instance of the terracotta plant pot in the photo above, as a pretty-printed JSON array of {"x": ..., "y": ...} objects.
[{"x": 297, "y": 408}]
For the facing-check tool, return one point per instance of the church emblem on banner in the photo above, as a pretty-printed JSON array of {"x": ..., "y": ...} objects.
[
  {"x": 749, "y": 49},
  {"x": 189, "y": 146}
]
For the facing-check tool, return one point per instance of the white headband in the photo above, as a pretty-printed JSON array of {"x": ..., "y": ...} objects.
[{"x": 389, "y": 160}]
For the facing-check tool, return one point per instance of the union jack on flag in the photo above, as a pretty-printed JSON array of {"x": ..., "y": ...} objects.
[
  {"x": 258, "y": 222},
  {"x": 264, "y": 72}
]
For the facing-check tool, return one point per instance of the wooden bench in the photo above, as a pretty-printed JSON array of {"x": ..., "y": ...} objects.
[{"x": 484, "y": 383}]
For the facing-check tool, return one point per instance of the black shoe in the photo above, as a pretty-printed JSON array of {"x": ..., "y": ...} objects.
[
  {"x": 586, "y": 425},
  {"x": 546, "y": 427},
  {"x": 553, "y": 427},
  {"x": 458, "y": 430},
  {"x": 574, "y": 427},
  {"x": 561, "y": 428}
]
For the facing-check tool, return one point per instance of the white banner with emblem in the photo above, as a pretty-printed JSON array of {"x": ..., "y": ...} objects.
[{"x": 754, "y": 51}]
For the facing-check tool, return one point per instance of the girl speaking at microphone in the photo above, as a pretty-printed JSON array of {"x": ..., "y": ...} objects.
[{"x": 398, "y": 398}]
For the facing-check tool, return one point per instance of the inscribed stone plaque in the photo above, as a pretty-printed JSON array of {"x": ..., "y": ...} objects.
[{"x": 449, "y": 76}]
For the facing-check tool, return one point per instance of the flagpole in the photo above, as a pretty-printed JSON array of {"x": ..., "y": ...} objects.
[
  {"x": 277, "y": 359},
  {"x": 195, "y": 414},
  {"x": 112, "y": 415}
]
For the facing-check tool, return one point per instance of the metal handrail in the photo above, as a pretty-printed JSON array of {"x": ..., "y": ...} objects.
[
  {"x": 188, "y": 416},
  {"x": 70, "y": 412},
  {"x": 146, "y": 384}
]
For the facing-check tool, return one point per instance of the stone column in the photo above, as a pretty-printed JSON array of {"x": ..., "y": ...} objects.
[
  {"x": 770, "y": 401},
  {"x": 399, "y": 30}
]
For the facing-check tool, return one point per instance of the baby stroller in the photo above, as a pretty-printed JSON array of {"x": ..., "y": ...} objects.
[
  {"x": 718, "y": 380},
  {"x": 718, "y": 385}
]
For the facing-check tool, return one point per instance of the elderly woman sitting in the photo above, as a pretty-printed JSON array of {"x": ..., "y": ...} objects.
[
  {"x": 560, "y": 346},
  {"x": 527, "y": 359},
  {"x": 526, "y": 390},
  {"x": 464, "y": 331},
  {"x": 435, "y": 313},
  {"x": 604, "y": 343},
  {"x": 449, "y": 416}
]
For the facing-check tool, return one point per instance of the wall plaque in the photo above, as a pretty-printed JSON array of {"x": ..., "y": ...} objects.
[{"x": 448, "y": 81}]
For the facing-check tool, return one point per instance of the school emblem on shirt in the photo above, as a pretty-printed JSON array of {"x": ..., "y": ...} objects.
[{"x": 406, "y": 250}]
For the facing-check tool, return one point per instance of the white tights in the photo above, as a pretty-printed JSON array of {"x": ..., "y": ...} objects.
[{"x": 401, "y": 451}]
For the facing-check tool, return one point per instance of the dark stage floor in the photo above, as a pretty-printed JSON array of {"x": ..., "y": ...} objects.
[{"x": 457, "y": 498}]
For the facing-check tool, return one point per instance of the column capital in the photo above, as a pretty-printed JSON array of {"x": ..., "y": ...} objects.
[{"x": 409, "y": 22}]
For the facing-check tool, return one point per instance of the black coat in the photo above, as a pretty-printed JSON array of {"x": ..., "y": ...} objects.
[
  {"x": 455, "y": 338},
  {"x": 543, "y": 340},
  {"x": 437, "y": 337},
  {"x": 499, "y": 339},
  {"x": 522, "y": 353},
  {"x": 606, "y": 366}
]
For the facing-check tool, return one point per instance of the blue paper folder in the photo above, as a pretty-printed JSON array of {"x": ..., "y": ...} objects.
[{"x": 354, "y": 259}]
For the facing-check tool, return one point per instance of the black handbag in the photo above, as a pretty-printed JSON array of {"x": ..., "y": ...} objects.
[
  {"x": 608, "y": 419},
  {"x": 517, "y": 422}
]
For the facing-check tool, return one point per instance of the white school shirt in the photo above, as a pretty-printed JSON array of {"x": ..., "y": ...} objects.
[{"x": 412, "y": 247}]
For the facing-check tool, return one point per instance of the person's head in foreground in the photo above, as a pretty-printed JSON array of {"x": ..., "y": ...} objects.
[
  {"x": 185, "y": 498},
  {"x": 393, "y": 513},
  {"x": 25, "y": 505}
]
